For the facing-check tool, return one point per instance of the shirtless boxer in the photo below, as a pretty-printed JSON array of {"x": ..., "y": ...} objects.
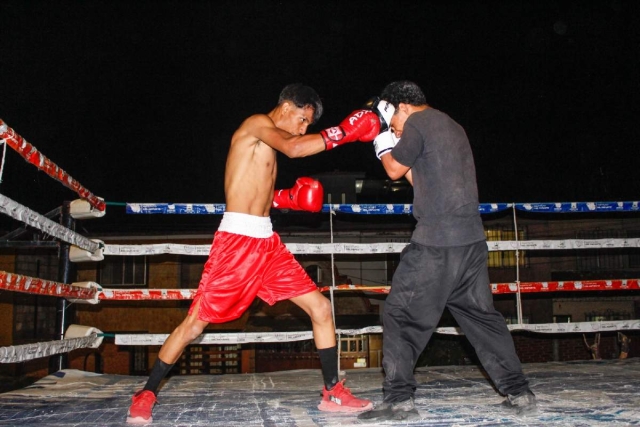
[{"x": 266, "y": 269}]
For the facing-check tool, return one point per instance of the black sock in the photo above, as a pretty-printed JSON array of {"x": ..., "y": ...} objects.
[
  {"x": 158, "y": 372},
  {"x": 329, "y": 364}
]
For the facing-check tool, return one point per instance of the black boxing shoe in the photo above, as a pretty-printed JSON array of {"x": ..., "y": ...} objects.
[
  {"x": 523, "y": 403},
  {"x": 405, "y": 411},
  {"x": 379, "y": 413},
  {"x": 397, "y": 411}
]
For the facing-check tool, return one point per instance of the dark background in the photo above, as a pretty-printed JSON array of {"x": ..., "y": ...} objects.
[{"x": 137, "y": 100}]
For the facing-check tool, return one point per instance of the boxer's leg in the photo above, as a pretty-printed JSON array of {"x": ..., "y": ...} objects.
[
  {"x": 335, "y": 396},
  {"x": 144, "y": 400},
  {"x": 190, "y": 328},
  {"x": 318, "y": 307},
  {"x": 284, "y": 278}
]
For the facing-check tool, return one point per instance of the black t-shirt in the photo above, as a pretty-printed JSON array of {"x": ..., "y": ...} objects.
[{"x": 445, "y": 201}]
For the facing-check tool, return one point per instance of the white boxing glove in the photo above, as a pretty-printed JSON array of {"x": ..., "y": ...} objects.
[
  {"x": 383, "y": 109},
  {"x": 384, "y": 143}
]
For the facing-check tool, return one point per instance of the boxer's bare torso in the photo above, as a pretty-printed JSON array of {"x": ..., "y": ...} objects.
[{"x": 251, "y": 167}]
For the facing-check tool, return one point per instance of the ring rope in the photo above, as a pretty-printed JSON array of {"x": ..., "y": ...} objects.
[
  {"x": 26, "y": 284},
  {"x": 42, "y": 223},
  {"x": 21, "y": 353},
  {"x": 32, "y": 285},
  {"x": 374, "y": 248},
  {"x": 390, "y": 209},
  {"x": 496, "y": 289},
  {"x": 33, "y": 156},
  {"x": 259, "y": 337}
]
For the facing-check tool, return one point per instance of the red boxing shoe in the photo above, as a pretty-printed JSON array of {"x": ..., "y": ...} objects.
[
  {"x": 340, "y": 399},
  {"x": 140, "y": 409}
]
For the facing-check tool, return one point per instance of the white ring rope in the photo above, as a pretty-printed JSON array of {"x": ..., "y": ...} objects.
[
  {"x": 42, "y": 223},
  {"x": 259, "y": 337},
  {"x": 375, "y": 248},
  {"x": 21, "y": 353}
]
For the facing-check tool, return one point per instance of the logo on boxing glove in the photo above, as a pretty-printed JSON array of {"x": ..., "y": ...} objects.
[
  {"x": 335, "y": 133},
  {"x": 356, "y": 116},
  {"x": 360, "y": 125}
]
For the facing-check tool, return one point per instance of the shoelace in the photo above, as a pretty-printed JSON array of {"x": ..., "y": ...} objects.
[
  {"x": 344, "y": 390},
  {"x": 149, "y": 399}
]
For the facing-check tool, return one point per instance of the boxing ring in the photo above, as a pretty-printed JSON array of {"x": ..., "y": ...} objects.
[{"x": 577, "y": 393}]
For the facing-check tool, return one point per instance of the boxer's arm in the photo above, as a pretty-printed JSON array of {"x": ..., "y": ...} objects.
[
  {"x": 261, "y": 128},
  {"x": 383, "y": 146},
  {"x": 395, "y": 170},
  {"x": 361, "y": 125},
  {"x": 409, "y": 177}
]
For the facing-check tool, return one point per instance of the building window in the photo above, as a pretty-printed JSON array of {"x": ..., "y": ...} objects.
[
  {"x": 315, "y": 273},
  {"x": 600, "y": 259},
  {"x": 354, "y": 344},
  {"x": 210, "y": 359},
  {"x": 138, "y": 361},
  {"x": 191, "y": 268},
  {"x": 34, "y": 316},
  {"x": 634, "y": 256},
  {"x": 562, "y": 318},
  {"x": 129, "y": 271},
  {"x": 392, "y": 261},
  {"x": 503, "y": 259}
]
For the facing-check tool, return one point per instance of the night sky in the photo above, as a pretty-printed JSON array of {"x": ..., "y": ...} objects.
[{"x": 137, "y": 100}]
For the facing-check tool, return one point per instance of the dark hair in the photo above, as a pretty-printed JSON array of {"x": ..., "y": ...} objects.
[
  {"x": 302, "y": 96},
  {"x": 403, "y": 91}
]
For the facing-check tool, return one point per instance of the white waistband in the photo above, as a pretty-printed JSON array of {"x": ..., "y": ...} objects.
[{"x": 246, "y": 225}]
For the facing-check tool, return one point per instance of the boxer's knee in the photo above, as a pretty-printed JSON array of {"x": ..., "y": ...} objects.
[
  {"x": 321, "y": 312},
  {"x": 190, "y": 328}
]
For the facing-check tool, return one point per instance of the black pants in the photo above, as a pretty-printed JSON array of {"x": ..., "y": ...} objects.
[{"x": 427, "y": 280}]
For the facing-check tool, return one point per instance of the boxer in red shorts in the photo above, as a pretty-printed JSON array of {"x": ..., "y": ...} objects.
[
  {"x": 247, "y": 258},
  {"x": 259, "y": 265}
]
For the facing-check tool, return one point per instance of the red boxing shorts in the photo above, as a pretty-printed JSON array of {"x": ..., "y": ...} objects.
[{"x": 247, "y": 259}]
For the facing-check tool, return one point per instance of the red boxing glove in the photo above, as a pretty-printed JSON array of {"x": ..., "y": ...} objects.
[
  {"x": 306, "y": 195},
  {"x": 361, "y": 125}
]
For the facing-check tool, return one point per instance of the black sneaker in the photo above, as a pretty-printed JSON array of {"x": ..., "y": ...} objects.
[
  {"x": 523, "y": 403},
  {"x": 379, "y": 412},
  {"x": 405, "y": 411},
  {"x": 398, "y": 411}
]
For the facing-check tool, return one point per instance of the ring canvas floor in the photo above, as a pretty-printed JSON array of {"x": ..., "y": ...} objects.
[{"x": 583, "y": 393}]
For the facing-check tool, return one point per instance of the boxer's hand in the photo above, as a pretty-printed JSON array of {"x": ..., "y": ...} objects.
[
  {"x": 384, "y": 143},
  {"x": 361, "y": 125},
  {"x": 383, "y": 110},
  {"x": 305, "y": 195}
]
